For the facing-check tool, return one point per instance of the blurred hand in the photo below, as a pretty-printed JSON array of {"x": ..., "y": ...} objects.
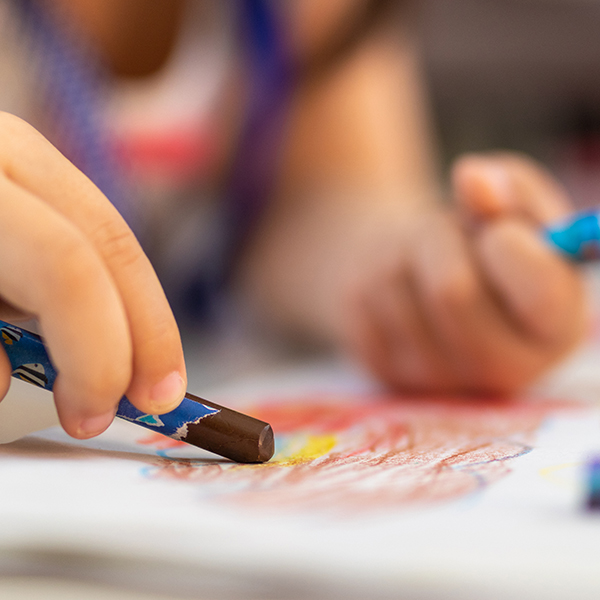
[
  {"x": 470, "y": 298},
  {"x": 69, "y": 259}
]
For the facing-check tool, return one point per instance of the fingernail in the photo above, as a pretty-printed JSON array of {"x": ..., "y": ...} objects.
[
  {"x": 94, "y": 425},
  {"x": 497, "y": 180},
  {"x": 166, "y": 395}
]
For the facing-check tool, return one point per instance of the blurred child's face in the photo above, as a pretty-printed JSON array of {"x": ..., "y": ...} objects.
[
  {"x": 104, "y": 14},
  {"x": 88, "y": 13},
  {"x": 133, "y": 36}
]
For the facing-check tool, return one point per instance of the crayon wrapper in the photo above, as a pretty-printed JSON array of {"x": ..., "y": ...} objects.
[
  {"x": 30, "y": 362},
  {"x": 27, "y": 355},
  {"x": 173, "y": 424},
  {"x": 578, "y": 238}
]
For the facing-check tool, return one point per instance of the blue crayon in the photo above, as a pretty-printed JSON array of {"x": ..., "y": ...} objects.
[
  {"x": 593, "y": 484},
  {"x": 577, "y": 236},
  {"x": 196, "y": 421}
]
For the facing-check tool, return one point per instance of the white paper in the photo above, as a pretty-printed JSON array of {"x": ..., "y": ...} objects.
[{"x": 367, "y": 496}]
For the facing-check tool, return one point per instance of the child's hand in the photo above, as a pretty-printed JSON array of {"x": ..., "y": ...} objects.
[
  {"x": 473, "y": 298},
  {"x": 69, "y": 259}
]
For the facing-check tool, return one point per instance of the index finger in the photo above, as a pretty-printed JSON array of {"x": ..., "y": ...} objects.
[
  {"x": 159, "y": 378},
  {"x": 508, "y": 184},
  {"x": 542, "y": 290}
]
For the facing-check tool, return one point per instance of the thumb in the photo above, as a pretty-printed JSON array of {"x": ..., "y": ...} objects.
[{"x": 488, "y": 186}]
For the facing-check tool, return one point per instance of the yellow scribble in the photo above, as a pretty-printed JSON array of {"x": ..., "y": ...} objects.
[
  {"x": 563, "y": 476},
  {"x": 315, "y": 447},
  {"x": 298, "y": 450}
]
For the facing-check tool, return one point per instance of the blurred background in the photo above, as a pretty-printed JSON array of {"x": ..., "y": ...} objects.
[{"x": 519, "y": 74}]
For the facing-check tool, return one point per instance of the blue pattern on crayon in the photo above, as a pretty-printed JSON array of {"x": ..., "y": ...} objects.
[
  {"x": 173, "y": 424},
  {"x": 30, "y": 362},
  {"x": 27, "y": 355}
]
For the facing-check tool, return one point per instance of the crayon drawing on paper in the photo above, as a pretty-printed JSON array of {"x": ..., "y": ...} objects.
[{"x": 348, "y": 454}]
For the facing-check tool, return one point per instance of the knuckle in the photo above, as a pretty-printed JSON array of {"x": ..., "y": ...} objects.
[
  {"x": 105, "y": 378},
  {"x": 160, "y": 339},
  {"x": 102, "y": 388},
  {"x": 117, "y": 243},
  {"x": 109, "y": 381}
]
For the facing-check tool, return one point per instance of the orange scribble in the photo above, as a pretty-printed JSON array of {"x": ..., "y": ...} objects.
[{"x": 355, "y": 454}]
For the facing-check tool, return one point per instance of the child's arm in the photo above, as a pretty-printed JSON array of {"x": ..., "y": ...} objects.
[
  {"x": 359, "y": 251},
  {"x": 69, "y": 259}
]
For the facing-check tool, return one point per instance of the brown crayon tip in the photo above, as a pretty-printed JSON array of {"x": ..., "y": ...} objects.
[
  {"x": 231, "y": 434},
  {"x": 266, "y": 444}
]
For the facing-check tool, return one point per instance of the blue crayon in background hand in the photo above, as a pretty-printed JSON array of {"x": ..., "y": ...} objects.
[
  {"x": 577, "y": 237},
  {"x": 593, "y": 484},
  {"x": 196, "y": 421}
]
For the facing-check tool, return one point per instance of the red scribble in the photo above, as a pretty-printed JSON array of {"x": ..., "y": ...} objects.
[
  {"x": 160, "y": 441},
  {"x": 387, "y": 452}
]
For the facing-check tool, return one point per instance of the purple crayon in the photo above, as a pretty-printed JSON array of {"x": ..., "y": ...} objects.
[{"x": 196, "y": 421}]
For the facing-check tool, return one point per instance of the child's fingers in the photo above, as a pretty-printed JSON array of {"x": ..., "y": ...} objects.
[
  {"x": 446, "y": 320},
  {"x": 492, "y": 185},
  {"x": 481, "y": 339},
  {"x": 51, "y": 270},
  {"x": 159, "y": 378},
  {"x": 389, "y": 333},
  {"x": 481, "y": 186},
  {"x": 5, "y": 374},
  {"x": 543, "y": 291}
]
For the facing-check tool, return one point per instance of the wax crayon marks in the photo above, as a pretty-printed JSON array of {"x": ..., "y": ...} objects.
[
  {"x": 161, "y": 442},
  {"x": 344, "y": 456},
  {"x": 303, "y": 449}
]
